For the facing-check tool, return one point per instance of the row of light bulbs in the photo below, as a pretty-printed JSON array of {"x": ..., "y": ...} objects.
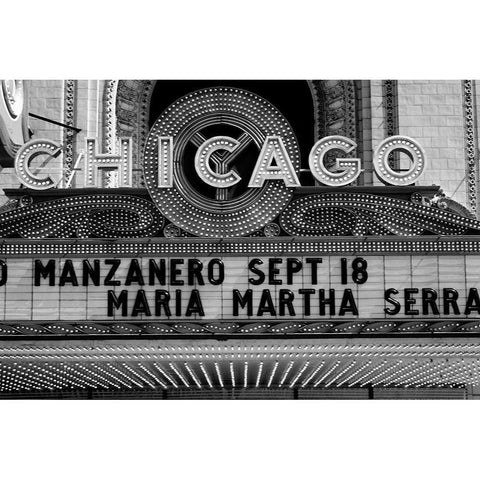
[
  {"x": 226, "y": 247},
  {"x": 412, "y": 373}
]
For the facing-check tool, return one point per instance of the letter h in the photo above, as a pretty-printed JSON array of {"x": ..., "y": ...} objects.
[{"x": 119, "y": 163}]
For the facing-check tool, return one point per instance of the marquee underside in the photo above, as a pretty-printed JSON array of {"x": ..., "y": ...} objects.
[{"x": 280, "y": 368}]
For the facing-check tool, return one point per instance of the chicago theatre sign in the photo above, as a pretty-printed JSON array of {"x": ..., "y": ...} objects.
[{"x": 224, "y": 240}]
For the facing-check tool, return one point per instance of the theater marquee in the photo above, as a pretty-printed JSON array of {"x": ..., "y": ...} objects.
[
  {"x": 241, "y": 288},
  {"x": 224, "y": 238}
]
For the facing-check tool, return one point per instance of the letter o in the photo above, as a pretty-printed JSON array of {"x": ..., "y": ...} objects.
[
  {"x": 220, "y": 276},
  {"x": 404, "y": 144}
]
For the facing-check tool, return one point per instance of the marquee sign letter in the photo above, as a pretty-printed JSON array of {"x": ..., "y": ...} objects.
[
  {"x": 274, "y": 164},
  {"x": 205, "y": 153},
  {"x": 121, "y": 162},
  {"x": 27, "y": 153},
  {"x": 403, "y": 144},
  {"x": 165, "y": 162},
  {"x": 350, "y": 167}
]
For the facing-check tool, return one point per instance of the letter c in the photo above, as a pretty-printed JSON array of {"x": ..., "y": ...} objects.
[
  {"x": 202, "y": 162},
  {"x": 24, "y": 157}
]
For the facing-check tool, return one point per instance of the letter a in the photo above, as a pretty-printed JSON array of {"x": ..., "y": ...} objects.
[{"x": 274, "y": 164}]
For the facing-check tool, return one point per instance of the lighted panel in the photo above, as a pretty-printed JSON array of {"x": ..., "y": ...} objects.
[{"x": 224, "y": 295}]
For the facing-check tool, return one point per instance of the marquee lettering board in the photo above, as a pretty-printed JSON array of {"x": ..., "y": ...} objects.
[{"x": 240, "y": 288}]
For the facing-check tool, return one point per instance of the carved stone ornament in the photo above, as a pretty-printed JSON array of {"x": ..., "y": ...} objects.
[
  {"x": 233, "y": 329},
  {"x": 471, "y": 144}
]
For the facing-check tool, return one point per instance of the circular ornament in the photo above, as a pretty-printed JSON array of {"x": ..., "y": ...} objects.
[
  {"x": 26, "y": 201},
  {"x": 171, "y": 231},
  {"x": 271, "y": 230},
  {"x": 416, "y": 197},
  {"x": 188, "y": 121}
]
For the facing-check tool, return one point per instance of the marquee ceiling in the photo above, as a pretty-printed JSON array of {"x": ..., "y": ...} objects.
[{"x": 211, "y": 366}]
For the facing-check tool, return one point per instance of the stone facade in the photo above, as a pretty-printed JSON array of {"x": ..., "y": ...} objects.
[{"x": 432, "y": 112}]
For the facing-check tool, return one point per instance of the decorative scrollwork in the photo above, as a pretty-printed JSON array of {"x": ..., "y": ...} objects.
[
  {"x": 390, "y": 94},
  {"x": 390, "y": 111},
  {"x": 131, "y": 109},
  {"x": 70, "y": 87},
  {"x": 340, "y": 108},
  {"x": 11, "y": 204},
  {"x": 109, "y": 135},
  {"x": 97, "y": 216},
  {"x": 470, "y": 143},
  {"x": 334, "y": 214},
  {"x": 265, "y": 328}
]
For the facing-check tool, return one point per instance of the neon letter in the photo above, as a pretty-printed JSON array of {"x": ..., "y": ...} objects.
[{"x": 165, "y": 162}]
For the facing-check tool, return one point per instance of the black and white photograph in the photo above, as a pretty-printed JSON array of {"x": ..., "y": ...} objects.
[
  {"x": 239, "y": 240},
  {"x": 229, "y": 239}
]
